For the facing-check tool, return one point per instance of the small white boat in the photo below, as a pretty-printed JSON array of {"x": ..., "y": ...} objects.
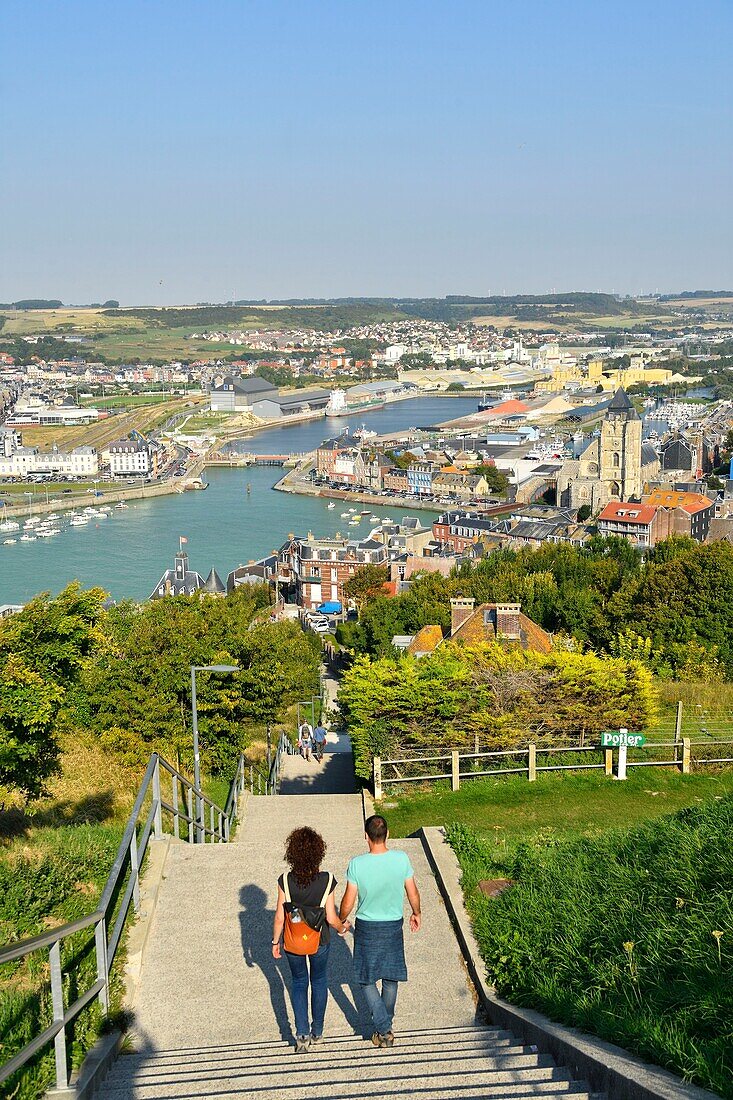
[
  {"x": 9, "y": 542},
  {"x": 344, "y": 515},
  {"x": 122, "y": 505},
  {"x": 354, "y": 522},
  {"x": 79, "y": 521},
  {"x": 51, "y": 518},
  {"x": 351, "y": 510},
  {"x": 331, "y": 505},
  {"x": 9, "y": 525},
  {"x": 28, "y": 538},
  {"x": 33, "y": 521},
  {"x": 46, "y": 532}
]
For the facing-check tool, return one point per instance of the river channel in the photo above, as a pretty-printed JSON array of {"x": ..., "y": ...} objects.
[{"x": 225, "y": 526}]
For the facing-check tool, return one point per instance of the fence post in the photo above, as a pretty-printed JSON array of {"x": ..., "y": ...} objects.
[
  {"x": 57, "y": 1001},
  {"x": 685, "y": 756},
  {"x": 189, "y": 804},
  {"x": 158, "y": 816},
  {"x": 455, "y": 773},
  {"x": 100, "y": 943},
  {"x": 377, "y": 777},
  {"x": 621, "y": 766},
  {"x": 608, "y": 761},
  {"x": 678, "y": 722},
  {"x": 532, "y": 761}
]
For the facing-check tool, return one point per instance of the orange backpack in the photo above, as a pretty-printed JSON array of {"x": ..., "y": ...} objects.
[{"x": 299, "y": 937}]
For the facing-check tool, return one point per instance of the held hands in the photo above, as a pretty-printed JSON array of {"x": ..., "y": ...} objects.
[
  {"x": 347, "y": 926},
  {"x": 415, "y": 922}
]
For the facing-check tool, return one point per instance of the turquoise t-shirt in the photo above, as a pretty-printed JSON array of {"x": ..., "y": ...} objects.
[{"x": 380, "y": 880}]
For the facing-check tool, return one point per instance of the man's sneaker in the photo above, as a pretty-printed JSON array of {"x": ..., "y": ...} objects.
[
  {"x": 302, "y": 1044},
  {"x": 316, "y": 1039},
  {"x": 379, "y": 1040},
  {"x": 389, "y": 1039}
]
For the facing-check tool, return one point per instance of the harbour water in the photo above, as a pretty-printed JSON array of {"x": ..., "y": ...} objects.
[{"x": 225, "y": 526}]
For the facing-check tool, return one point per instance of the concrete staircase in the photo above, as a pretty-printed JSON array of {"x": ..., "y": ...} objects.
[
  {"x": 213, "y": 1010},
  {"x": 430, "y": 1065}
]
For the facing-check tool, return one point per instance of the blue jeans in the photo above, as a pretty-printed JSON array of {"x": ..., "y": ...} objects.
[
  {"x": 382, "y": 1005},
  {"x": 317, "y": 977}
]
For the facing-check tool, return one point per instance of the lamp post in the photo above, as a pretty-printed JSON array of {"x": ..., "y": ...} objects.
[{"x": 195, "y": 726}]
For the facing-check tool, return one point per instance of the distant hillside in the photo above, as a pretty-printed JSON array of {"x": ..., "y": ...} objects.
[
  {"x": 203, "y": 318},
  {"x": 696, "y": 294}
]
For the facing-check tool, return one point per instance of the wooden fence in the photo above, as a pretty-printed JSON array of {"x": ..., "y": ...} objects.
[{"x": 452, "y": 764}]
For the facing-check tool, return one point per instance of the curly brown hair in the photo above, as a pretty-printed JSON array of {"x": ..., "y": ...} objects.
[{"x": 304, "y": 851}]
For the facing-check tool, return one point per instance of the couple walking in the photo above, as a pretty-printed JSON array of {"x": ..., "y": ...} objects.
[
  {"x": 312, "y": 741},
  {"x": 376, "y": 882}
]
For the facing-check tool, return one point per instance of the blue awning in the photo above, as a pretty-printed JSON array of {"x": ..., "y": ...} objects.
[{"x": 333, "y": 607}]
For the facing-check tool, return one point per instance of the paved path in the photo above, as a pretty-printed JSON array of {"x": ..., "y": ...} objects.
[
  {"x": 213, "y": 1013},
  {"x": 335, "y": 775}
]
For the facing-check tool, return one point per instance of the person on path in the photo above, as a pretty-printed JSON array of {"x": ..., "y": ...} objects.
[
  {"x": 305, "y": 740},
  {"x": 300, "y": 892},
  {"x": 378, "y": 881},
  {"x": 319, "y": 741}
]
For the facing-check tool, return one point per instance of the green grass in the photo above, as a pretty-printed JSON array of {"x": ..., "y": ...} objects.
[
  {"x": 125, "y": 400},
  {"x": 507, "y": 811},
  {"x": 628, "y": 935}
]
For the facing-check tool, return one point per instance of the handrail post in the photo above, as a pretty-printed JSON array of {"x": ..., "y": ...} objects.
[
  {"x": 100, "y": 944},
  {"x": 377, "y": 777},
  {"x": 135, "y": 872},
  {"x": 174, "y": 779},
  {"x": 455, "y": 770},
  {"x": 57, "y": 1001},
  {"x": 685, "y": 767},
  {"x": 211, "y": 821},
  {"x": 226, "y": 828},
  {"x": 158, "y": 816}
]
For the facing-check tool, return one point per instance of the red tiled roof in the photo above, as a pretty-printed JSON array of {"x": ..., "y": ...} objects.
[
  {"x": 676, "y": 498},
  {"x": 624, "y": 512}
]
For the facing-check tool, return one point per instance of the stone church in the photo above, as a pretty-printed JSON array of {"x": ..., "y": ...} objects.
[{"x": 613, "y": 466}]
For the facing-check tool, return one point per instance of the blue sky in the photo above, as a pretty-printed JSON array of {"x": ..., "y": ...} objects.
[{"x": 161, "y": 152}]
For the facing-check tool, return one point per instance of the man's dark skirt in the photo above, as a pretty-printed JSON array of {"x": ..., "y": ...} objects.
[{"x": 379, "y": 951}]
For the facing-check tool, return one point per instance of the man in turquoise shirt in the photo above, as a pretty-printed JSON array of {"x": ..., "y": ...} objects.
[{"x": 378, "y": 881}]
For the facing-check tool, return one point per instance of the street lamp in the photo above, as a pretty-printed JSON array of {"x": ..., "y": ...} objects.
[{"x": 195, "y": 724}]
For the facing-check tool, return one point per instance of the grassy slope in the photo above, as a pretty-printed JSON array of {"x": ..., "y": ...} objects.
[
  {"x": 628, "y": 935},
  {"x": 54, "y": 861}
]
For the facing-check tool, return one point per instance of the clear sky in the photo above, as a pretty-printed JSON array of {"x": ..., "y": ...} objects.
[{"x": 167, "y": 152}]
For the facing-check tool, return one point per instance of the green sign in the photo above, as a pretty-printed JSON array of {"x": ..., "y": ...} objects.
[{"x": 622, "y": 737}]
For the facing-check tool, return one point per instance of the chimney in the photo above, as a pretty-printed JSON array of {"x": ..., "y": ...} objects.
[
  {"x": 507, "y": 620},
  {"x": 460, "y": 610}
]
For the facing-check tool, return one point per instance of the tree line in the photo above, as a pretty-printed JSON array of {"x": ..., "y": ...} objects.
[{"x": 70, "y": 664}]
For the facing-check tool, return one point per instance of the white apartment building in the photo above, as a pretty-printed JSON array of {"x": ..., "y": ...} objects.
[
  {"x": 130, "y": 457},
  {"x": 83, "y": 462}
]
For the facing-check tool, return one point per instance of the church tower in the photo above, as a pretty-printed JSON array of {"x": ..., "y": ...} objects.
[{"x": 620, "y": 465}]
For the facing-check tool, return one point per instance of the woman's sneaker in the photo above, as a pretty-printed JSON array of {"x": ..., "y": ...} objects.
[
  {"x": 380, "y": 1040},
  {"x": 389, "y": 1039},
  {"x": 315, "y": 1039},
  {"x": 302, "y": 1044}
]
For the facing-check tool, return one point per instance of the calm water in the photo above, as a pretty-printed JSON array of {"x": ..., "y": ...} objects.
[{"x": 225, "y": 527}]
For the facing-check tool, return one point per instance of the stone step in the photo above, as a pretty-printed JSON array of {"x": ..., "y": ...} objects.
[
  {"x": 319, "y": 1057},
  {"x": 367, "y": 1074}
]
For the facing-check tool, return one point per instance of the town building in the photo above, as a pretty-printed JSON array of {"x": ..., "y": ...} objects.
[
  {"x": 178, "y": 581},
  {"x": 684, "y": 513},
  {"x": 315, "y": 570},
  {"x": 490, "y": 622},
  {"x": 636, "y": 522},
  {"x": 239, "y": 394},
  {"x": 130, "y": 458},
  {"x": 610, "y": 466}
]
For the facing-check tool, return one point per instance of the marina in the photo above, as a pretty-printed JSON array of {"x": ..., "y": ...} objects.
[{"x": 125, "y": 549}]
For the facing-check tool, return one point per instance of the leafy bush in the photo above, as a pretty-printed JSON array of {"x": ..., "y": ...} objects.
[{"x": 629, "y": 936}]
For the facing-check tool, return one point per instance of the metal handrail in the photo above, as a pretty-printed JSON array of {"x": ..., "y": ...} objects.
[
  {"x": 131, "y": 852},
  {"x": 284, "y": 748}
]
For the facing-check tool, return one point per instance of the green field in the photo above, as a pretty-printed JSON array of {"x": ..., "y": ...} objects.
[{"x": 507, "y": 811}]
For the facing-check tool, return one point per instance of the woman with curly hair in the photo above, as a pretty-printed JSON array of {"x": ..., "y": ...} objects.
[{"x": 300, "y": 892}]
